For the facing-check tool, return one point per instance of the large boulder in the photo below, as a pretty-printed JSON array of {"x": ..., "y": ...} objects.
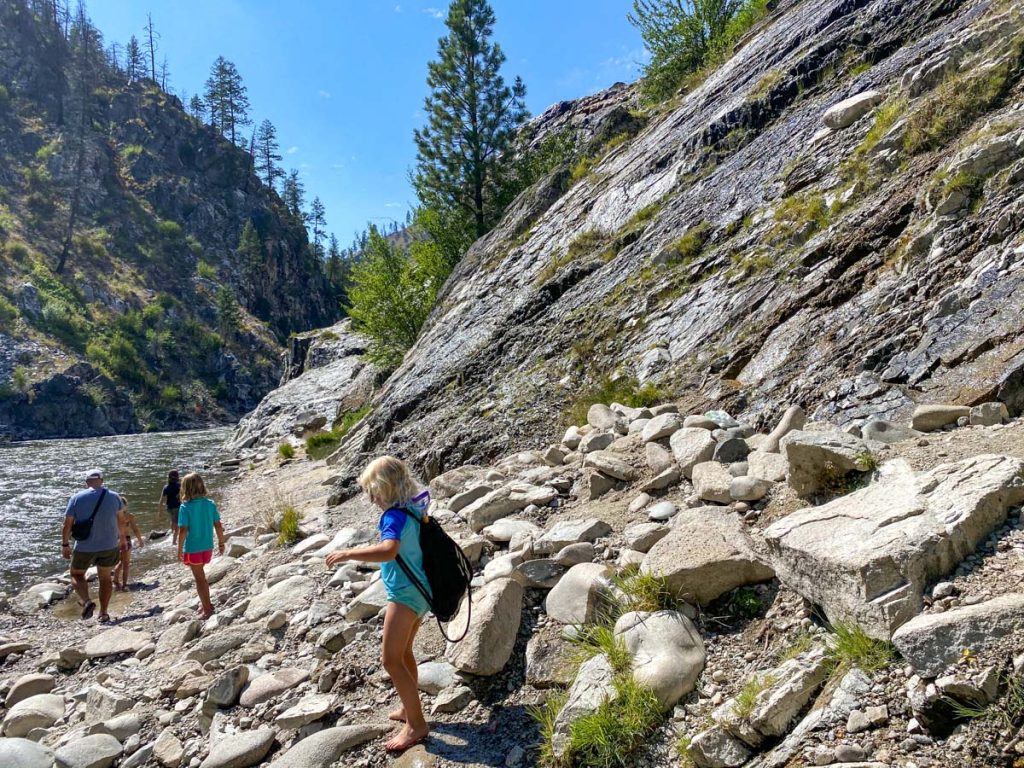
[
  {"x": 40, "y": 711},
  {"x": 866, "y": 557},
  {"x": 22, "y": 753},
  {"x": 240, "y": 750},
  {"x": 818, "y": 460},
  {"x": 97, "y": 751},
  {"x": 101, "y": 703},
  {"x": 930, "y": 642},
  {"x": 793, "y": 419},
  {"x": 306, "y": 710},
  {"x": 661, "y": 426},
  {"x": 668, "y": 655},
  {"x": 767, "y": 466},
  {"x": 504, "y": 501},
  {"x": 928, "y": 418},
  {"x": 611, "y": 464},
  {"x": 29, "y": 685},
  {"x": 567, "y": 532},
  {"x": 691, "y": 446},
  {"x": 219, "y": 642},
  {"x": 367, "y": 603},
  {"x": 488, "y": 644},
  {"x": 325, "y": 748},
  {"x": 288, "y": 595},
  {"x": 848, "y": 111},
  {"x": 115, "y": 642},
  {"x": 706, "y": 554},
  {"x": 885, "y": 432},
  {"x": 579, "y": 594},
  {"x": 549, "y": 662},
  {"x": 266, "y": 687}
]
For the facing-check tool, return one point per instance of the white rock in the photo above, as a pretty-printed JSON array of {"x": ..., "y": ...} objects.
[
  {"x": 592, "y": 687},
  {"x": 504, "y": 501},
  {"x": 22, "y": 753},
  {"x": 97, "y": 751},
  {"x": 662, "y": 511},
  {"x": 39, "y": 711},
  {"x": 817, "y": 458},
  {"x": 691, "y": 446},
  {"x": 668, "y": 655},
  {"x": 848, "y": 111},
  {"x": 661, "y": 426},
  {"x": 29, "y": 685},
  {"x": 325, "y": 748},
  {"x": 307, "y": 710},
  {"x": 367, "y": 603},
  {"x": 488, "y": 644},
  {"x": 578, "y": 594},
  {"x": 928, "y": 418},
  {"x": 567, "y": 532},
  {"x": 435, "y": 676},
  {"x": 284, "y": 596},
  {"x": 711, "y": 481},
  {"x": 643, "y": 536},
  {"x": 240, "y": 750},
  {"x": 611, "y": 464},
  {"x": 767, "y": 466},
  {"x": 866, "y": 557}
]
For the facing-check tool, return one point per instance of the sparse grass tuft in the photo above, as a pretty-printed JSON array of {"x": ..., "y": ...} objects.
[
  {"x": 288, "y": 526},
  {"x": 747, "y": 697},
  {"x": 206, "y": 270},
  {"x": 545, "y": 715},
  {"x": 801, "y": 644},
  {"x": 1007, "y": 710},
  {"x": 961, "y": 99},
  {"x": 800, "y": 216},
  {"x": 851, "y": 647},
  {"x": 646, "y": 592},
  {"x": 687, "y": 248},
  {"x": 600, "y": 638},
  {"x": 286, "y": 450},
  {"x": 322, "y": 444}
]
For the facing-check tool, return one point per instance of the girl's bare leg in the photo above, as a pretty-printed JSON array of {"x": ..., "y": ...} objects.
[
  {"x": 410, "y": 664},
  {"x": 400, "y": 623},
  {"x": 203, "y": 588}
]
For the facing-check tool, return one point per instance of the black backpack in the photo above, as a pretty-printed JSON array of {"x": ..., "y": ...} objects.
[{"x": 448, "y": 570}]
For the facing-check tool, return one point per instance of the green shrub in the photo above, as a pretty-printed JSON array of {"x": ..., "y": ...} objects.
[
  {"x": 169, "y": 230},
  {"x": 852, "y": 647},
  {"x": 117, "y": 355},
  {"x": 624, "y": 390},
  {"x": 5, "y": 96},
  {"x": 800, "y": 216},
  {"x": 20, "y": 379},
  {"x": 322, "y": 444},
  {"x": 8, "y": 313},
  {"x": 286, "y": 450},
  {"x": 288, "y": 526},
  {"x": 961, "y": 99},
  {"x": 17, "y": 250},
  {"x": 130, "y": 152},
  {"x": 746, "y": 603},
  {"x": 687, "y": 248},
  {"x": 170, "y": 395},
  {"x": 206, "y": 270},
  {"x": 610, "y": 735},
  {"x": 63, "y": 320},
  {"x": 582, "y": 168},
  {"x": 686, "y": 40},
  {"x": 646, "y": 592}
]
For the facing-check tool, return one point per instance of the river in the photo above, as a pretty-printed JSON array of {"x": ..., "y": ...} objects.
[{"x": 37, "y": 477}]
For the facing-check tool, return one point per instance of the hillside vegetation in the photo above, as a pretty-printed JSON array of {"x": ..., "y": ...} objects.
[{"x": 147, "y": 275}]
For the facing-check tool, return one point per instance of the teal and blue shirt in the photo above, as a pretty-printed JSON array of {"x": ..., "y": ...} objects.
[
  {"x": 198, "y": 516},
  {"x": 396, "y": 525}
]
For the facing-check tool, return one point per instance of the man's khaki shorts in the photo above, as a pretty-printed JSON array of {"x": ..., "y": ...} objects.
[{"x": 82, "y": 561}]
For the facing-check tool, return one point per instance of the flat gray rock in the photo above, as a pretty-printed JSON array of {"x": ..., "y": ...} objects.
[
  {"x": 933, "y": 641},
  {"x": 434, "y": 676},
  {"x": 97, "y": 751},
  {"x": 22, "y": 753},
  {"x": 324, "y": 748},
  {"x": 287, "y": 595},
  {"x": 115, "y": 642},
  {"x": 265, "y": 687},
  {"x": 867, "y": 557},
  {"x": 240, "y": 750},
  {"x": 567, "y": 532}
]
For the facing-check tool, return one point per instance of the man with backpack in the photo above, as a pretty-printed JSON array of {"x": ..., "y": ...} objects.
[{"x": 93, "y": 520}]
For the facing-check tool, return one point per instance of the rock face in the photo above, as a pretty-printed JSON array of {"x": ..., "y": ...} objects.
[
  {"x": 866, "y": 557},
  {"x": 327, "y": 377},
  {"x": 668, "y": 654},
  {"x": 488, "y": 644},
  {"x": 705, "y": 554},
  {"x": 930, "y": 642}
]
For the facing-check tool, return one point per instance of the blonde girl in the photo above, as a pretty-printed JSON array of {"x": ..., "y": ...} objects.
[
  {"x": 390, "y": 486},
  {"x": 198, "y": 518}
]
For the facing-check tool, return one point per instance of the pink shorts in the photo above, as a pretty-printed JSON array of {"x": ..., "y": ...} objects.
[{"x": 197, "y": 558}]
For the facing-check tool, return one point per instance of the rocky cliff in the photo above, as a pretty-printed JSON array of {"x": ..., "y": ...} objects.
[
  {"x": 832, "y": 219},
  {"x": 157, "y": 317}
]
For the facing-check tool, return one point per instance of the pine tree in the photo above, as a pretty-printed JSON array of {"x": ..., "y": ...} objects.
[
  {"x": 268, "y": 154},
  {"x": 151, "y": 37},
  {"x": 226, "y": 99},
  {"x": 333, "y": 267},
  {"x": 318, "y": 222},
  {"x": 472, "y": 117},
  {"x": 135, "y": 64},
  {"x": 294, "y": 195},
  {"x": 87, "y": 63},
  {"x": 250, "y": 250},
  {"x": 229, "y": 316},
  {"x": 165, "y": 75},
  {"x": 197, "y": 107}
]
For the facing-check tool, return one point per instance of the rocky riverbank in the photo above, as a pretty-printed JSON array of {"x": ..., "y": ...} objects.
[{"x": 769, "y": 552}]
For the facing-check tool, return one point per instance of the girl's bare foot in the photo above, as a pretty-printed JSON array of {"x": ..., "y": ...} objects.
[
  {"x": 398, "y": 715},
  {"x": 407, "y": 737}
]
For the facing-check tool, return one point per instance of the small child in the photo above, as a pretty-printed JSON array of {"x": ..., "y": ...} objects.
[
  {"x": 170, "y": 499},
  {"x": 390, "y": 486},
  {"x": 128, "y": 528},
  {"x": 197, "y": 520}
]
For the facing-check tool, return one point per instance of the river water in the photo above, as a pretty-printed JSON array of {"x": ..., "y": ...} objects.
[{"x": 38, "y": 477}]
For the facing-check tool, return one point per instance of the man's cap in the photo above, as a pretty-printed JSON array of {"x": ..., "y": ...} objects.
[{"x": 94, "y": 474}]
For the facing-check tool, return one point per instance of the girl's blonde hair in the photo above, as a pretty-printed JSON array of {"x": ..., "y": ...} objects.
[
  {"x": 388, "y": 482},
  {"x": 192, "y": 487}
]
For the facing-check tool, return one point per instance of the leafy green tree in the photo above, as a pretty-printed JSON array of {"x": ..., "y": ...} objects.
[
  {"x": 197, "y": 107},
  {"x": 229, "y": 316},
  {"x": 683, "y": 36},
  {"x": 226, "y": 99},
  {"x": 390, "y": 294},
  {"x": 268, "y": 155},
  {"x": 472, "y": 117}
]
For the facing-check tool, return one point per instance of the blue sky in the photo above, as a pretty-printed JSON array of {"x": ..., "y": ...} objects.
[{"x": 344, "y": 80}]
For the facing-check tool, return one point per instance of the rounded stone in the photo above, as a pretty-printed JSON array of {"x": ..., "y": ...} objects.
[{"x": 662, "y": 511}]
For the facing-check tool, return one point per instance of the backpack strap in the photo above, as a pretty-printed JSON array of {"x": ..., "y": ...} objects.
[{"x": 103, "y": 494}]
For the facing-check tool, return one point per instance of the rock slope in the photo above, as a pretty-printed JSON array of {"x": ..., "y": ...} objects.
[{"x": 832, "y": 218}]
